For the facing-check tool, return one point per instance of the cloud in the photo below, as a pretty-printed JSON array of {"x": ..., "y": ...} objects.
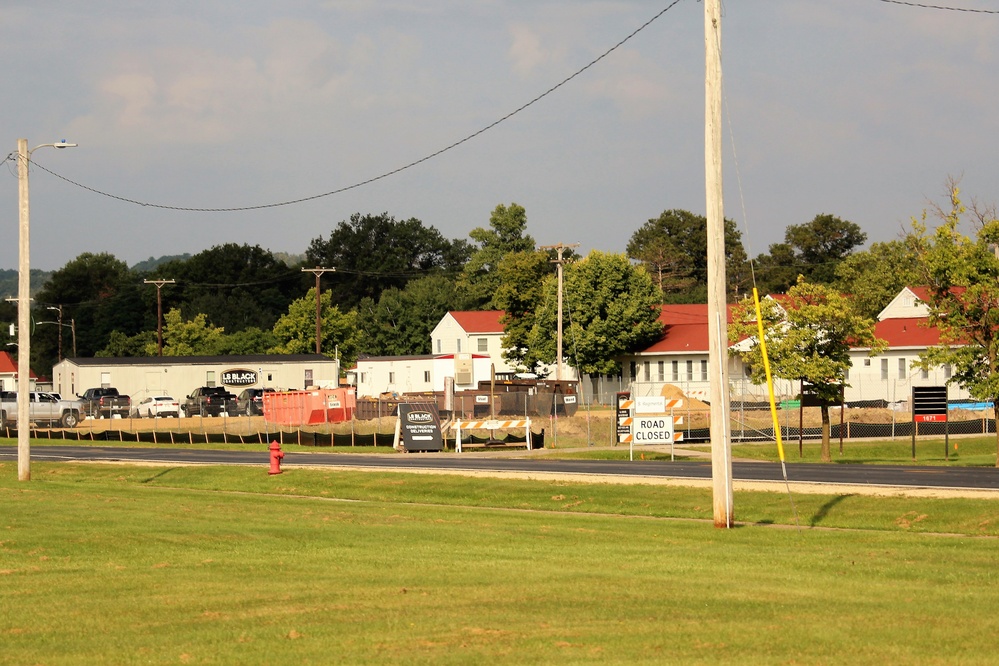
[{"x": 526, "y": 51}]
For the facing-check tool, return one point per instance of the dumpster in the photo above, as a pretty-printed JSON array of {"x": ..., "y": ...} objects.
[{"x": 310, "y": 407}]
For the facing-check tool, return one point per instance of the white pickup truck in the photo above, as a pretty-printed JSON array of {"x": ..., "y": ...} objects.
[{"x": 43, "y": 408}]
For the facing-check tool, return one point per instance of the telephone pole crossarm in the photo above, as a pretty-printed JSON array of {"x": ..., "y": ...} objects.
[
  {"x": 318, "y": 272},
  {"x": 559, "y": 249},
  {"x": 159, "y": 314}
]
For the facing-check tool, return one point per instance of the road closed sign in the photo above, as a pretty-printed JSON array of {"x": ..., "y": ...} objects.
[{"x": 653, "y": 430}]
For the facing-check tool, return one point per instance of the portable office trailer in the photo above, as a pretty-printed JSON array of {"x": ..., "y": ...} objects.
[{"x": 177, "y": 376}]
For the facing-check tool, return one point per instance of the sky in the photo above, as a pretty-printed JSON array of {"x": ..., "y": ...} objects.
[{"x": 856, "y": 108}]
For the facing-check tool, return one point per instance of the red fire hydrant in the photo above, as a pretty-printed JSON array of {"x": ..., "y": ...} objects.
[{"x": 276, "y": 455}]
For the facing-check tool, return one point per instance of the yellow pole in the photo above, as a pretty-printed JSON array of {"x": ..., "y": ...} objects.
[
  {"x": 773, "y": 403},
  {"x": 766, "y": 368}
]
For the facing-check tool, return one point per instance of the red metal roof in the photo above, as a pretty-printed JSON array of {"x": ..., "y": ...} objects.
[
  {"x": 907, "y": 332},
  {"x": 480, "y": 321},
  {"x": 685, "y": 329},
  {"x": 923, "y": 293},
  {"x": 9, "y": 366}
]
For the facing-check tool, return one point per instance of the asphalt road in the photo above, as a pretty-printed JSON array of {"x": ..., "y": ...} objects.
[{"x": 902, "y": 476}]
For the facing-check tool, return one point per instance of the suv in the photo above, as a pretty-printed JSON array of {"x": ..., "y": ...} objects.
[
  {"x": 251, "y": 401},
  {"x": 209, "y": 401}
]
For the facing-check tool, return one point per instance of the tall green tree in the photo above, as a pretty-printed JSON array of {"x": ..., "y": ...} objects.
[
  {"x": 610, "y": 308},
  {"x": 296, "y": 330},
  {"x": 234, "y": 286},
  {"x": 875, "y": 276},
  {"x": 962, "y": 277},
  {"x": 521, "y": 291},
  {"x": 191, "y": 337},
  {"x": 813, "y": 250},
  {"x": 673, "y": 248},
  {"x": 372, "y": 253},
  {"x": 808, "y": 336},
  {"x": 101, "y": 294},
  {"x": 401, "y": 321},
  {"x": 507, "y": 233}
]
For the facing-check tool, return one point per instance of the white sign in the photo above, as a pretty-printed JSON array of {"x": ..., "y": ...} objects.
[
  {"x": 653, "y": 430},
  {"x": 650, "y": 404}
]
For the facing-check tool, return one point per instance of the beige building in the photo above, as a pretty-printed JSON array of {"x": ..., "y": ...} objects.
[{"x": 178, "y": 376}]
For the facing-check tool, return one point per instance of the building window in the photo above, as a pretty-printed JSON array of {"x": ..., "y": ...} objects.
[
  {"x": 690, "y": 371},
  {"x": 884, "y": 369},
  {"x": 947, "y": 371},
  {"x": 924, "y": 373},
  {"x": 440, "y": 345},
  {"x": 209, "y": 378},
  {"x": 483, "y": 344},
  {"x": 633, "y": 368},
  {"x": 704, "y": 371},
  {"x": 901, "y": 368},
  {"x": 458, "y": 343},
  {"x": 675, "y": 370},
  {"x": 867, "y": 362},
  {"x": 391, "y": 378},
  {"x": 364, "y": 377},
  {"x": 661, "y": 371},
  {"x": 426, "y": 376},
  {"x": 647, "y": 373}
]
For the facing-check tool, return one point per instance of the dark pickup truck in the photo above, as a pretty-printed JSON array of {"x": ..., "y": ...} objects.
[
  {"x": 105, "y": 402},
  {"x": 209, "y": 401}
]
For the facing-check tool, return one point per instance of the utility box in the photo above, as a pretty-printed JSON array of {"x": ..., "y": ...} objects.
[{"x": 311, "y": 407}]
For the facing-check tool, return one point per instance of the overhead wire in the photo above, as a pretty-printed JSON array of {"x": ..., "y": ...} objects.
[
  {"x": 921, "y": 5},
  {"x": 384, "y": 175}
]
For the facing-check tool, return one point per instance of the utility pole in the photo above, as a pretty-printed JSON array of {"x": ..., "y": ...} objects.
[
  {"x": 159, "y": 315},
  {"x": 318, "y": 271},
  {"x": 58, "y": 308},
  {"x": 559, "y": 249},
  {"x": 721, "y": 449}
]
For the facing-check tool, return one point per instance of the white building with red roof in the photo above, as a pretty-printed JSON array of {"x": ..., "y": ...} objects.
[
  {"x": 904, "y": 325},
  {"x": 8, "y": 373},
  {"x": 680, "y": 357},
  {"x": 475, "y": 332},
  {"x": 465, "y": 345}
]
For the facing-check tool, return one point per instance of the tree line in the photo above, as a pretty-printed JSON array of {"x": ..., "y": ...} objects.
[{"x": 394, "y": 279}]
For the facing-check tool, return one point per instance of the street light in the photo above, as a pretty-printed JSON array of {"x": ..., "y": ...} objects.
[
  {"x": 24, "y": 307},
  {"x": 58, "y": 308}
]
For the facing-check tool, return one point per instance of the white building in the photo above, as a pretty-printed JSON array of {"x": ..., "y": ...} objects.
[
  {"x": 375, "y": 375},
  {"x": 680, "y": 357},
  {"x": 473, "y": 332},
  {"x": 177, "y": 376}
]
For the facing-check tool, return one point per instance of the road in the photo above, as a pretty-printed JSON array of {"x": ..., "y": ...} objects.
[{"x": 856, "y": 477}]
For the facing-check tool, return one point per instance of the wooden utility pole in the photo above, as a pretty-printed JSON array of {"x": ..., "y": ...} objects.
[
  {"x": 721, "y": 449},
  {"x": 559, "y": 249},
  {"x": 159, "y": 315},
  {"x": 318, "y": 271}
]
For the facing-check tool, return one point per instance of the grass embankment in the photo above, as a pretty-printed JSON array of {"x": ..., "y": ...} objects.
[{"x": 115, "y": 564}]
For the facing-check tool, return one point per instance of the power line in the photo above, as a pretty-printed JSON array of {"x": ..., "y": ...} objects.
[
  {"x": 387, "y": 173},
  {"x": 921, "y": 5}
]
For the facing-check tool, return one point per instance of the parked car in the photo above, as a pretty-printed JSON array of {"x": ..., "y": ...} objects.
[
  {"x": 105, "y": 402},
  {"x": 157, "y": 406},
  {"x": 209, "y": 401},
  {"x": 251, "y": 401},
  {"x": 43, "y": 408}
]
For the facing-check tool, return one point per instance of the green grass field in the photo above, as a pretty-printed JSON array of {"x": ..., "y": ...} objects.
[{"x": 194, "y": 565}]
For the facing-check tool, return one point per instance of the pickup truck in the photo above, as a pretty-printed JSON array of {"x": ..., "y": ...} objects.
[
  {"x": 105, "y": 402},
  {"x": 43, "y": 408},
  {"x": 209, "y": 401}
]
